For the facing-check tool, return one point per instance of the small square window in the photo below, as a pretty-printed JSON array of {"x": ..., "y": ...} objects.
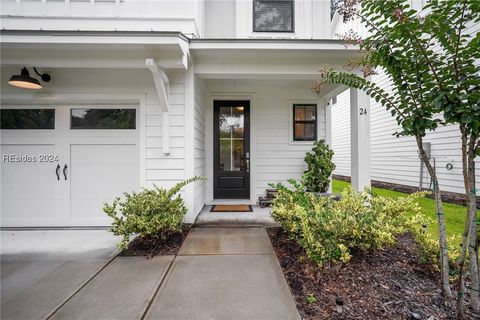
[
  {"x": 273, "y": 16},
  {"x": 304, "y": 122}
]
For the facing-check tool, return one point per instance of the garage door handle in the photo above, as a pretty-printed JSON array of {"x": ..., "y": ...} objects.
[
  {"x": 56, "y": 171},
  {"x": 65, "y": 171}
]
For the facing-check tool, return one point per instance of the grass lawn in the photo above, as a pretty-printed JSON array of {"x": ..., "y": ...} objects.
[{"x": 454, "y": 214}]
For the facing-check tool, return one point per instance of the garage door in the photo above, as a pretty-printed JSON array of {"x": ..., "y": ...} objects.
[{"x": 61, "y": 163}]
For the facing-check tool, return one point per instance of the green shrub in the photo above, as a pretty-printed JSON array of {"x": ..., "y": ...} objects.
[
  {"x": 147, "y": 213},
  {"x": 332, "y": 230},
  {"x": 319, "y": 167},
  {"x": 428, "y": 244}
]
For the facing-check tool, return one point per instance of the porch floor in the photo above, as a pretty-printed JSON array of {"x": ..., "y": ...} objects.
[{"x": 258, "y": 217}]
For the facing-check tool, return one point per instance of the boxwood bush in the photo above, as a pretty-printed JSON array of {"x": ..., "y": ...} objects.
[{"x": 150, "y": 212}]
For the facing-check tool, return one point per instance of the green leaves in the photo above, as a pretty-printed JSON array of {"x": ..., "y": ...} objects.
[
  {"x": 149, "y": 212},
  {"x": 332, "y": 231},
  {"x": 319, "y": 167},
  {"x": 430, "y": 59}
]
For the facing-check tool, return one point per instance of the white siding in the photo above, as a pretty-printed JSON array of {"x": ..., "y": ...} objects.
[
  {"x": 275, "y": 158},
  {"x": 341, "y": 133},
  {"x": 160, "y": 169},
  {"x": 220, "y": 19},
  {"x": 200, "y": 104},
  {"x": 131, "y": 15},
  {"x": 395, "y": 160}
]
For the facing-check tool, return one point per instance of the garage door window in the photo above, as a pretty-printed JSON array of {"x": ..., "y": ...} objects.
[
  {"x": 85, "y": 118},
  {"x": 27, "y": 119}
]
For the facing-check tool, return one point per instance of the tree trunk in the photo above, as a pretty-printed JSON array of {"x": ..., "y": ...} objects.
[
  {"x": 469, "y": 237},
  {"x": 442, "y": 231},
  {"x": 472, "y": 213}
]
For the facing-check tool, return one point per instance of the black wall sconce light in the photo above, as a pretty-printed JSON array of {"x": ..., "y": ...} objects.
[{"x": 25, "y": 81}]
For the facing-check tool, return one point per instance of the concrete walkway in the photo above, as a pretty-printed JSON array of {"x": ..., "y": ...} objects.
[
  {"x": 258, "y": 217},
  {"x": 225, "y": 273},
  {"x": 219, "y": 273}
]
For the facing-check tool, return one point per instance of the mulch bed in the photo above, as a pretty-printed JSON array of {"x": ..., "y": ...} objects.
[
  {"x": 156, "y": 245},
  {"x": 385, "y": 284}
]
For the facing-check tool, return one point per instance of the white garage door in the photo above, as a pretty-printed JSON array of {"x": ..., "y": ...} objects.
[{"x": 59, "y": 164}]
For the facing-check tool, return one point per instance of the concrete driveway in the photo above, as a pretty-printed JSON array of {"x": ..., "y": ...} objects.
[{"x": 41, "y": 269}]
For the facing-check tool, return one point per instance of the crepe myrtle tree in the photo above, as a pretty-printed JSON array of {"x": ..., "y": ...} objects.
[{"x": 432, "y": 63}]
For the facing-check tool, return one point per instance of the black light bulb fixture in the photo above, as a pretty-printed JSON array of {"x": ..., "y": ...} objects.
[{"x": 25, "y": 81}]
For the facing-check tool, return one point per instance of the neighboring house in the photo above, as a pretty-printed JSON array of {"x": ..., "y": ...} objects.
[{"x": 395, "y": 160}]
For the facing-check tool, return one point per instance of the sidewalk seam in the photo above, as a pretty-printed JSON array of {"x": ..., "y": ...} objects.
[
  {"x": 55, "y": 310},
  {"x": 155, "y": 293}
]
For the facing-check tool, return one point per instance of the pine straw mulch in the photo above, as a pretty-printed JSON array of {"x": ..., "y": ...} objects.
[
  {"x": 157, "y": 245},
  {"x": 385, "y": 284}
]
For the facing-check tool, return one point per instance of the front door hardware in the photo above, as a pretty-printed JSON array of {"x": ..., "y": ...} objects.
[
  {"x": 65, "y": 171},
  {"x": 56, "y": 171}
]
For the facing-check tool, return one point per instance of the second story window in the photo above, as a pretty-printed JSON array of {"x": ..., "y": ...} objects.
[{"x": 273, "y": 16}]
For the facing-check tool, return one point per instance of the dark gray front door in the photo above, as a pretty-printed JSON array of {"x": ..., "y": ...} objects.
[{"x": 231, "y": 134}]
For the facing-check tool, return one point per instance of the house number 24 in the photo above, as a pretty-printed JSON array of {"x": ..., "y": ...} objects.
[{"x": 363, "y": 111}]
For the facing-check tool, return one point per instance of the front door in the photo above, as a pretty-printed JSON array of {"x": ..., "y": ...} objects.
[{"x": 231, "y": 149}]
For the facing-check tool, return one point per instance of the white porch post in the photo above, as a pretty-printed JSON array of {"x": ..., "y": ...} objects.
[
  {"x": 360, "y": 139},
  {"x": 188, "y": 195}
]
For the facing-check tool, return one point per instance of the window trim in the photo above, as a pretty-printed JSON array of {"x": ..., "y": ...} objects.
[
  {"x": 294, "y": 122},
  {"x": 273, "y": 31}
]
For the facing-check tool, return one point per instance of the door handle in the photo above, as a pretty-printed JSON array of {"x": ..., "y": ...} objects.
[
  {"x": 65, "y": 171},
  {"x": 56, "y": 171},
  {"x": 248, "y": 165}
]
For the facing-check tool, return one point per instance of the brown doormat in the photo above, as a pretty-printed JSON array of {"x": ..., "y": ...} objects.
[{"x": 231, "y": 208}]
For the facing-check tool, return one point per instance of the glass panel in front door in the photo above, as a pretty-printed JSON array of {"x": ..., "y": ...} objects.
[{"x": 232, "y": 136}]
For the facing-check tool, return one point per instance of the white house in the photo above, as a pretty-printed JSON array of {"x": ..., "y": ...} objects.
[
  {"x": 395, "y": 160},
  {"x": 154, "y": 92}
]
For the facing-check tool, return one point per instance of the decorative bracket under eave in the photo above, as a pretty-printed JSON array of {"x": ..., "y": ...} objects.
[
  {"x": 162, "y": 87},
  {"x": 161, "y": 83}
]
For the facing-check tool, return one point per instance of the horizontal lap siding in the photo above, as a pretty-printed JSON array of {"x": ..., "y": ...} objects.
[
  {"x": 199, "y": 146},
  {"x": 395, "y": 159},
  {"x": 161, "y": 169},
  {"x": 278, "y": 159}
]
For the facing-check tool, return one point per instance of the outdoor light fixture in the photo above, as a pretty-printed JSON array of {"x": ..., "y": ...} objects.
[{"x": 25, "y": 81}]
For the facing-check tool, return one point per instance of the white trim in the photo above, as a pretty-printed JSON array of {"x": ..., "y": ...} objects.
[
  {"x": 91, "y": 98},
  {"x": 91, "y": 38},
  {"x": 161, "y": 81},
  {"x": 189, "y": 171},
  {"x": 260, "y": 44}
]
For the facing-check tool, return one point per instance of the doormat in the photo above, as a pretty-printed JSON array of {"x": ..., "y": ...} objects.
[{"x": 231, "y": 208}]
